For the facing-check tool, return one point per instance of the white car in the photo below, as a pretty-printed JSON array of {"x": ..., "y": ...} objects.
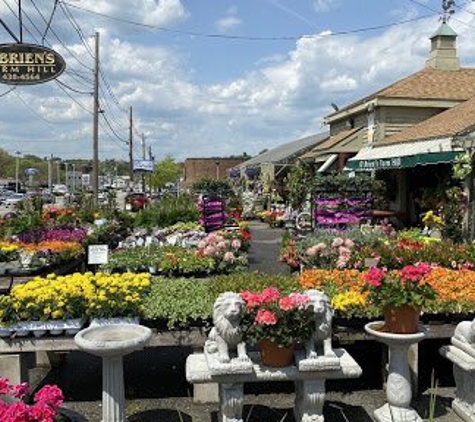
[{"x": 14, "y": 199}]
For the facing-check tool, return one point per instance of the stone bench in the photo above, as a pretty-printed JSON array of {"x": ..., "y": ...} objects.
[{"x": 309, "y": 385}]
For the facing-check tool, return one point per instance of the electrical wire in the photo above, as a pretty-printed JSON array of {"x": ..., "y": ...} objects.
[
  {"x": 112, "y": 129},
  {"x": 434, "y": 10},
  {"x": 3, "y": 94},
  {"x": 73, "y": 89},
  {"x": 50, "y": 20},
  {"x": 74, "y": 99},
  {"x": 242, "y": 37},
  {"x": 32, "y": 109}
]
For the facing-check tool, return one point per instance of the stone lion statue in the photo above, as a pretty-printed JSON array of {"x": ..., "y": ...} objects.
[
  {"x": 322, "y": 337},
  {"x": 465, "y": 332},
  {"x": 226, "y": 335}
]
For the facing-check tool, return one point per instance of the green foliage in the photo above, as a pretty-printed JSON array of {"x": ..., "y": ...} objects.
[
  {"x": 168, "y": 211},
  {"x": 166, "y": 171},
  {"x": 339, "y": 183},
  {"x": 179, "y": 301},
  {"x": 184, "y": 302},
  {"x": 298, "y": 181},
  {"x": 210, "y": 187}
]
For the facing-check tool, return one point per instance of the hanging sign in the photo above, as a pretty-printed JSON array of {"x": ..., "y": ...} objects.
[
  {"x": 29, "y": 64},
  {"x": 143, "y": 165}
]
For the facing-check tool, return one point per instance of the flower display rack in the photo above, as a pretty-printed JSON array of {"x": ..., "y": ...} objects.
[
  {"x": 341, "y": 209},
  {"x": 212, "y": 213}
]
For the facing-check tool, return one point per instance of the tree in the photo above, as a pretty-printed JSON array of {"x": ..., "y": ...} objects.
[{"x": 166, "y": 171}]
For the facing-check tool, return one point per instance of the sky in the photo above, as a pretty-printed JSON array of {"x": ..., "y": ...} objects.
[{"x": 203, "y": 96}]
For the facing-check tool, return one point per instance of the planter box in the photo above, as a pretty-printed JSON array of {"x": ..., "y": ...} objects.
[{"x": 41, "y": 328}]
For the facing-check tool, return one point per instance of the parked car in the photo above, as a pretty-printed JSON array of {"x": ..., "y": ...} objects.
[
  {"x": 14, "y": 199},
  {"x": 136, "y": 201}
]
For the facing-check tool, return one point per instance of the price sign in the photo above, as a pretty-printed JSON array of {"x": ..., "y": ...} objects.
[{"x": 97, "y": 254}]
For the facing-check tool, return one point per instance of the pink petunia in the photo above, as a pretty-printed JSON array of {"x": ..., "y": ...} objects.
[
  {"x": 252, "y": 299},
  {"x": 287, "y": 304},
  {"x": 270, "y": 294},
  {"x": 375, "y": 276}
]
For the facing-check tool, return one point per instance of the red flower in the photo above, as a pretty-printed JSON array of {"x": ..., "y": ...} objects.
[
  {"x": 286, "y": 303},
  {"x": 270, "y": 294},
  {"x": 252, "y": 299},
  {"x": 265, "y": 317},
  {"x": 50, "y": 395},
  {"x": 415, "y": 272},
  {"x": 375, "y": 276}
]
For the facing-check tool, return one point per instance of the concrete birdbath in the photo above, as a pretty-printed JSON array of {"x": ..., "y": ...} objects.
[
  {"x": 111, "y": 343},
  {"x": 398, "y": 389}
]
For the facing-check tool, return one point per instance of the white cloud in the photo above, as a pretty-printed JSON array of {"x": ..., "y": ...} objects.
[
  {"x": 229, "y": 22},
  {"x": 325, "y": 5}
]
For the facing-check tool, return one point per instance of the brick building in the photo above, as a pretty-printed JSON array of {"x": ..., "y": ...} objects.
[{"x": 210, "y": 168}]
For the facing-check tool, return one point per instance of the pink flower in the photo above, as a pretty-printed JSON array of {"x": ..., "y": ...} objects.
[
  {"x": 286, "y": 303},
  {"x": 4, "y": 386},
  {"x": 375, "y": 276},
  {"x": 209, "y": 251},
  {"x": 43, "y": 413},
  {"x": 236, "y": 244},
  {"x": 50, "y": 395},
  {"x": 337, "y": 242},
  {"x": 222, "y": 245},
  {"x": 349, "y": 243},
  {"x": 202, "y": 244},
  {"x": 17, "y": 412},
  {"x": 271, "y": 294},
  {"x": 252, "y": 299},
  {"x": 415, "y": 272},
  {"x": 20, "y": 390},
  {"x": 229, "y": 257},
  {"x": 311, "y": 251},
  {"x": 266, "y": 317},
  {"x": 299, "y": 299}
]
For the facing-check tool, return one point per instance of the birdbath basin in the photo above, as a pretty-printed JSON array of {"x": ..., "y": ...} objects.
[
  {"x": 111, "y": 343},
  {"x": 113, "y": 340},
  {"x": 398, "y": 390}
]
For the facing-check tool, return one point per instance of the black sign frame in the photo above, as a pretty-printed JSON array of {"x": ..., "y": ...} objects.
[{"x": 26, "y": 72}]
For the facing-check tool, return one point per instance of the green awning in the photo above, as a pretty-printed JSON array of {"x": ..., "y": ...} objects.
[{"x": 406, "y": 155}]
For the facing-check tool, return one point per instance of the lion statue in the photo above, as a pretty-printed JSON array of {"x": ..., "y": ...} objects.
[
  {"x": 322, "y": 337},
  {"x": 465, "y": 332},
  {"x": 226, "y": 336}
]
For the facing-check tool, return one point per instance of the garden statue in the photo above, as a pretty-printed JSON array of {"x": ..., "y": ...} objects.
[
  {"x": 318, "y": 349},
  {"x": 225, "y": 349},
  {"x": 462, "y": 353}
]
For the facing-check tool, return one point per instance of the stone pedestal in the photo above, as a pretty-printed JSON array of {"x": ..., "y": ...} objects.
[
  {"x": 464, "y": 374},
  {"x": 398, "y": 388},
  {"x": 111, "y": 343},
  {"x": 113, "y": 396}
]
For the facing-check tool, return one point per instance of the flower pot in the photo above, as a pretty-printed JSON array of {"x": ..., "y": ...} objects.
[
  {"x": 401, "y": 319},
  {"x": 276, "y": 356}
]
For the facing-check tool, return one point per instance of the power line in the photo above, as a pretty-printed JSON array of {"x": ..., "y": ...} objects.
[
  {"x": 112, "y": 129},
  {"x": 242, "y": 37},
  {"x": 74, "y": 99},
  {"x": 7, "y": 92},
  {"x": 50, "y": 21},
  {"x": 73, "y": 89},
  {"x": 32, "y": 110}
]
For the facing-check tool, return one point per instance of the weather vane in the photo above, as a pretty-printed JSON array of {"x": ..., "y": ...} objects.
[{"x": 448, "y": 9}]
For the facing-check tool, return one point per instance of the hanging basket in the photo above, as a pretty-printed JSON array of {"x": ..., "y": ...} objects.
[
  {"x": 401, "y": 319},
  {"x": 276, "y": 356}
]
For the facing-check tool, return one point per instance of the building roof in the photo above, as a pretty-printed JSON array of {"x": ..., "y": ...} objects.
[
  {"x": 444, "y": 30},
  {"x": 327, "y": 146},
  {"x": 451, "y": 122},
  {"x": 286, "y": 151},
  {"x": 428, "y": 84}
]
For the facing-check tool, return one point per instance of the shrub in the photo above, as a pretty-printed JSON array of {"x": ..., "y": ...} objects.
[{"x": 167, "y": 212}]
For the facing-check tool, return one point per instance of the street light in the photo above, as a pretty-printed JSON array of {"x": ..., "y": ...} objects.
[{"x": 17, "y": 170}]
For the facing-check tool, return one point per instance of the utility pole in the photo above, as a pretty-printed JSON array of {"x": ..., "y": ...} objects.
[
  {"x": 131, "y": 148},
  {"x": 58, "y": 172},
  {"x": 17, "y": 171},
  {"x": 50, "y": 174},
  {"x": 66, "y": 175},
  {"x": 150, "y": 157},
  {"x": 95, "y": 135},
  {"x": 143, "y": 158},
  {"x": 73, "y": 188}
]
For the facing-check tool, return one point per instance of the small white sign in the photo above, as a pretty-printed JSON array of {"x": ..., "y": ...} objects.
[{"x": 97, "y": 254}]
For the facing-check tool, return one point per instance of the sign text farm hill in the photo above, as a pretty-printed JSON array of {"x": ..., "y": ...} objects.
[{"x": 28, "y": 64}]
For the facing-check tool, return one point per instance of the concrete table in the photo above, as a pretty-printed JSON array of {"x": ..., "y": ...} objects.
[
  {"x": 398, "y": 389},
  {"x": 309, "y": 386}
]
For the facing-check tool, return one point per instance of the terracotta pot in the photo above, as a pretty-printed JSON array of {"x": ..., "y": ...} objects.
[
  {"x": 401, "y": 319},
  {"x": 276, "y": 356}
]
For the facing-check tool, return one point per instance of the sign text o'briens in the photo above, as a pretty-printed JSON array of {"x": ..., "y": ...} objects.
[{"x": 29, "y": 64}]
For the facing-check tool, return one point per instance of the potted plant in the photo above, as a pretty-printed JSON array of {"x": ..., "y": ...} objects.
[
  {"x": 277, "y": 323},
  {"x": 401, "y": 294}
]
